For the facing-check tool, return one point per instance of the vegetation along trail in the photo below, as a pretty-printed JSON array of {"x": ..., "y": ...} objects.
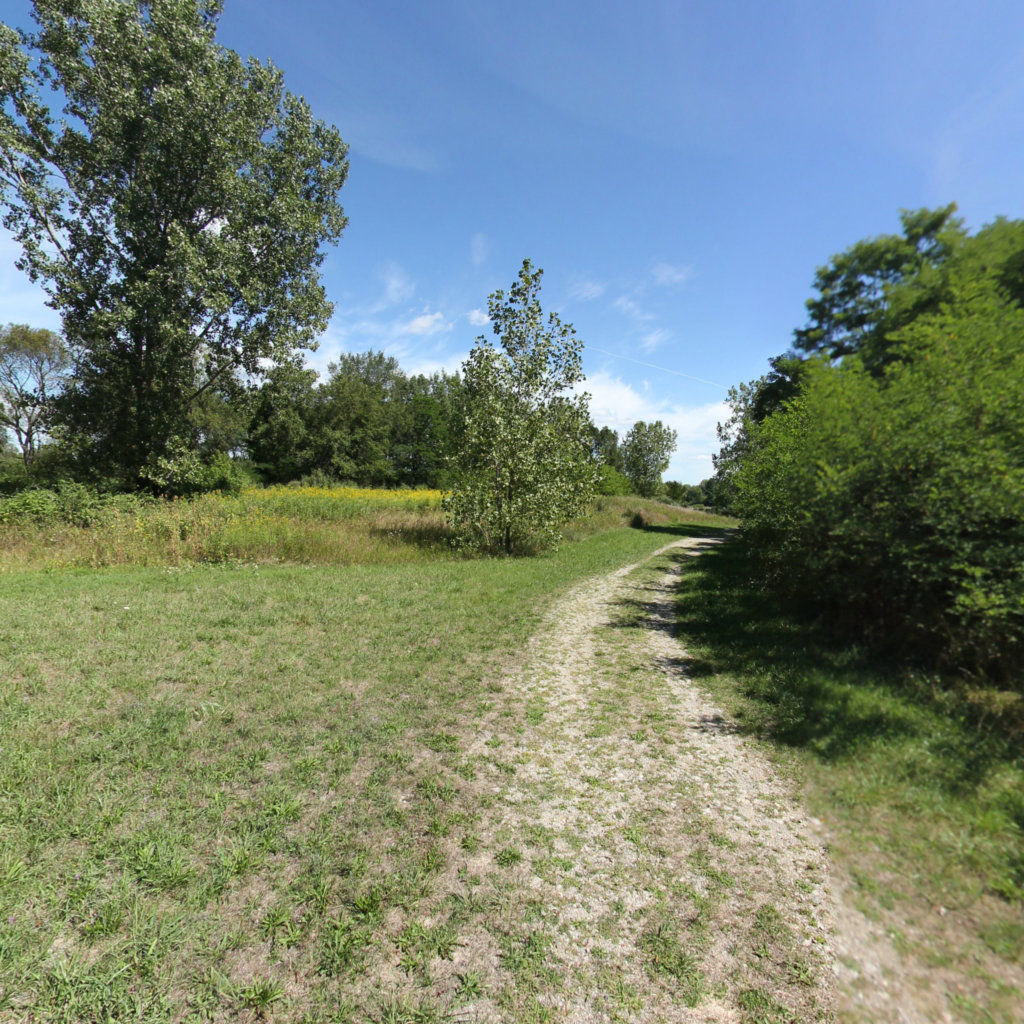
[{"x": 653, "y": 864}]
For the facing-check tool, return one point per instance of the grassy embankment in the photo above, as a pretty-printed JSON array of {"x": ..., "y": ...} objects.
[
  {"x": 919, "y": 782},
  {"x": 227, "y": 789}
]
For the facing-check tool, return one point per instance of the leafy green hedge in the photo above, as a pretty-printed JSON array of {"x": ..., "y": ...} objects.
[{"x": 896, "y": 500}]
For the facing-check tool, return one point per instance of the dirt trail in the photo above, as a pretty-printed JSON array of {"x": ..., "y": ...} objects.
[{"x": 647, "y": 862}]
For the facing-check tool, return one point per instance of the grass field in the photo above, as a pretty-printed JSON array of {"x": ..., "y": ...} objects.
[
  {"x": 232, "y": 778},
  {"x": 920, "y": 788},
  {"x": 225, "y": 788}
]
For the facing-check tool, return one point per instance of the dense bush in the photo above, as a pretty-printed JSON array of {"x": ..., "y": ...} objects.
[
  {"x": 228, "y": 475},
  {"x": 611, "y": 482},
  {"x": 67, "y": 503},
  {"x": 895, "y": 500}
]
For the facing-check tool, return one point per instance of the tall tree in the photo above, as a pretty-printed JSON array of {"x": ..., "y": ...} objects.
[
  {"x": 175, "y": 213},
  {"x": 646, "y": 450},
  {"x": 34, "y": 364},
  {"x": 523, "y": 466},
  {"x": 281, "y": 436},
  {"x": 357, "y": 405},
  {"x": 854, "y": 309},
  {"x": 604, "y": 443},
  {"x": 424, "y": 429}
]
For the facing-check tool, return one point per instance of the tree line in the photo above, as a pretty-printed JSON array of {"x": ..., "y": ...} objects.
[
  {"x": 879, "y": 466},
  {"x": 365, "y": 422}
]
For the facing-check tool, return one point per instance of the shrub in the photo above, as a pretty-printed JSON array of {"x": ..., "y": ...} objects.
[
  {"x": 77, "y": 504},
  {"x": 318, "y": 478},
  {"x": 228, "y": 475},
  {"x": 611, "y": 482},
  {"x": 34, "y": 505},
  {"x": 896, "y": 501}
]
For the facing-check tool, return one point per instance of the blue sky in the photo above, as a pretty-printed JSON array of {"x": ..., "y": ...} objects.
[{"x": 678, "y": 169}]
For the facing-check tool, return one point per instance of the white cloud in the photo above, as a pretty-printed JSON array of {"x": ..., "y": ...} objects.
[
  {"x": 586, "y": 290},
  {"x": 401, "y": 337},
  {"x": 434, "y": 363},
  {"x": 478, "y": 248},
  {"x": 665, "y": 274},
  {"x": 398, "y": 288},
  {"x": 330, "y": 345},
  {"x": 478, "y": 318},
  {"x": 414, "y": 352},
  {"x": 649, "y": 342},
  {"x": 426, "y": 323},
  {"x": 617, "y": 404}
]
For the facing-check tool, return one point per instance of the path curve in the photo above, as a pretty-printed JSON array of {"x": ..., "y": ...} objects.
[{"x": 649, "y": 863}]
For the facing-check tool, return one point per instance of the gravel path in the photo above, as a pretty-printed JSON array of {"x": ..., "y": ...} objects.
[{"x": 642, "y": 861}]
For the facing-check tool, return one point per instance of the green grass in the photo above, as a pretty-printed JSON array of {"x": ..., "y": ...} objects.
[
  {"x": 923, "y": 800},
  {"x": 667, "y": 955},
  {"x": 231, "y": 790}
]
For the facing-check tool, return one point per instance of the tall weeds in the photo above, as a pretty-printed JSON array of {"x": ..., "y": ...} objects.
[{"x": 342, "y": 526}]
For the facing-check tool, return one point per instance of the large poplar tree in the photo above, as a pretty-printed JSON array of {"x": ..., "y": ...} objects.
[{"x": 174, "y": 210}]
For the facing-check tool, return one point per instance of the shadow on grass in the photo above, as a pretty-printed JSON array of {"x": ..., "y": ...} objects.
[
  {"x": 801, "y": 686},
  {"x": 430, "y": 536},
  {"x": 433, "y": 536},
  {"x": 886, "y": 734},
  {"x": 688, "y": 530}
]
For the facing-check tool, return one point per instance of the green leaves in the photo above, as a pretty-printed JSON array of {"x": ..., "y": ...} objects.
[
  {"x": 522, "y": 466},
  {"x": 897, "y": 500},
  {"x": 646, "y": 450},
  {"x": 182, "y": 243},
  {"x": 33, "y": 366},
  {"x": 854, "y": 311}
]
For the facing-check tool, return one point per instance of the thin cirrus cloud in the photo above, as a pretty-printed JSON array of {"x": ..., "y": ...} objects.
[
  {"x": 667, "y": 275},
  {"x": 388, "y": 136},
  {"x": 479, "y": 249},
  {"x": 398, "y": 287},
  {"x": 628, "y": 306},
  {"x": 617, "y": 404},
  {"x": 654, "y": 339},
  {"x": 586, "y": 290},
  {"x": 976, "y": 141}
]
